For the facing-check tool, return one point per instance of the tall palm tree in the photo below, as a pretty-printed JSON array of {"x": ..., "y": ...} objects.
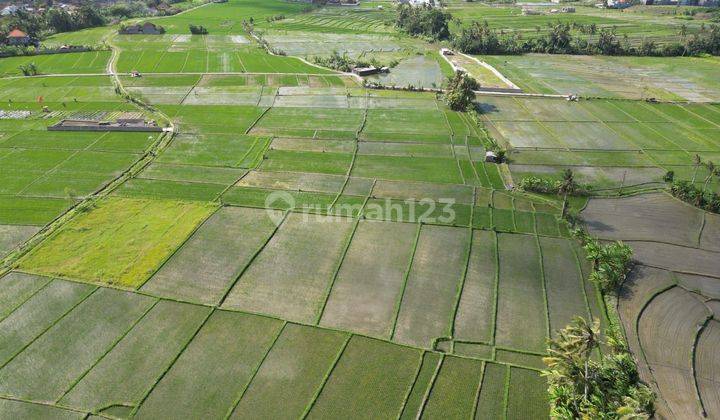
[
  {"x": 567, "y": 186},
  {"x": 697, "y": 161},
  {"x": 712, "y": 171}
]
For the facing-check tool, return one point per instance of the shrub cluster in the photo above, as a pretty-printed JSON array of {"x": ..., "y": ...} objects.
[
  {"x": 198, "y": 30},
  {"x": 423, "y": 21},
  {"x": 688, "y": 192},
  {"x": 611, "y": 262}
]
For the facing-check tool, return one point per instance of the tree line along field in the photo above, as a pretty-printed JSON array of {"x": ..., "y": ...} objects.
[{"x": 635, "y": 23}]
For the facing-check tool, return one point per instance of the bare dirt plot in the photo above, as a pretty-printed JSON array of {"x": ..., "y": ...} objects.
[
  {"x": 362, "y": 386},
  {"x": 12, "y": 236},
  {"x": 428, "y": 302},
  {"x": 53, "y": 362},
  {"x": 214, "y": 368},
  {"x": 291, "y": 276},
  {"x": 521, "y": 314},
  {"x": 677, "y": 258},
  {"x": 455, "y": 389},
  {"x": 210, "y": 261},
  {"x": 563, "y": 280},
  {"x": 649, "y": 217},
  {"x": 474, "y": 318},
  {"x": 135, "y": 363},
  {"x": 37, "y": 314},
  {"x": 667, "y": 337},
  {"x": 16, "y": 288},
  {"x": 371, "y": 278},
  {"x": 23, "y": 410},
  {"x": 298, "y": 181},
  {"x": 707, "y": 368},
  {"x": 292, "y": 373}
]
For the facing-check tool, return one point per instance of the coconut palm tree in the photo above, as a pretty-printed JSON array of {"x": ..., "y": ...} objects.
[
  {"x": 697, "y": 161},
  {"x": 712, "y": 171},
  {"x": 567, "y": 186}
]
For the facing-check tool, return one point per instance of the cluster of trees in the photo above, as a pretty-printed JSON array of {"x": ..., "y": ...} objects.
[
  {"x": 611, "y": 262},
  {"x": 54, "y": 20},
  {"x": 479, "y": 38},
  {"x": 584, "y": 383},
  {"x": 461, "y": 91},
  {"x": 424, "y": 20},
  {"x": 687, "y": 190},
  {"x": 198, "y": 30}
]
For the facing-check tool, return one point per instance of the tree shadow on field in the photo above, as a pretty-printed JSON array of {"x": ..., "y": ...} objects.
[
  {"x": 598, "y": 226},
  {"x": 484, "y": 108}
]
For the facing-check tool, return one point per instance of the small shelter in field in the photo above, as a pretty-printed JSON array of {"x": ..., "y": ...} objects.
[{"x": 17, "y": 37}]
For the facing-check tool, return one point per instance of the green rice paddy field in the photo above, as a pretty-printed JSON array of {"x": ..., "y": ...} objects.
[{"x": 298, "y": 246}]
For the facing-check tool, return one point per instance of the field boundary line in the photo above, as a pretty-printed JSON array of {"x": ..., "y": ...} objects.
[
  {"x": 702, "y": 229},
  {"x": 172, "y": 362},
  {"x": 326, "y": 377},
  {"x": 506, "y": 393},
  {"x": 178, "y": 248},
  {"x": 341, "y": 260},
  {"x": 460, "y": 288},
  {"x": 197, "y": 82},
  {"x": 252, "y": 259},
  {"x": 412, "y": 385},
  {"x": 32, "y": 295},
  {"x": 241, "y": 394},
  {"x": 86, "y": 414},
  {"x": 693, "y": 359},
  {"x": 430, "y": 387},
  {"x": 110, "y": 349},
  {"x": 496, "y": 289},
  {"x": 543, "y": 281},
  {"x": 50, "y": 327},
  {"x": 636, "y": 324},
  {"x": 257, "y": 120},
  {"x": 476, "y": 401},
  {"x": 406, "y": 277},
  {"x": 583, "y": 283}
]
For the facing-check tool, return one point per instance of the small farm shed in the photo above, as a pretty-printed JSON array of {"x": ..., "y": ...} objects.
[{"x": 18, "y": 38}]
